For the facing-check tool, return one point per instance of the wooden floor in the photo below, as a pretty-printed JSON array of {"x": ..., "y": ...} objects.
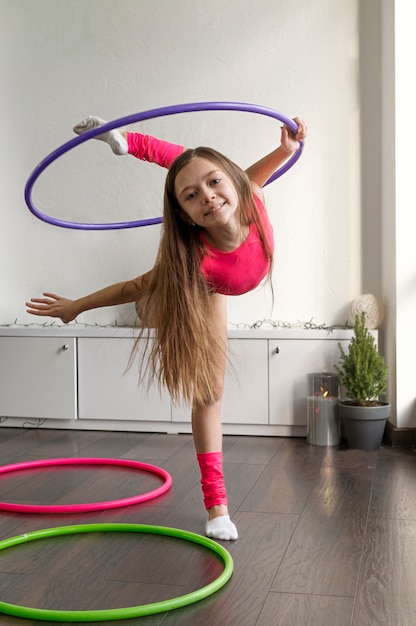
[{"x": 327, "y": 536}]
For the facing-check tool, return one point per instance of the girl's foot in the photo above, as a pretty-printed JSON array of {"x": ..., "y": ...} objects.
[
  {"x": 116, "y": 141},
  {"x": 221, "y": 528},
  {"x": 219, "y": 525}
]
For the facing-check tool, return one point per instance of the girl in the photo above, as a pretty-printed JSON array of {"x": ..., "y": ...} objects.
[{"x": 216, "y": 241}]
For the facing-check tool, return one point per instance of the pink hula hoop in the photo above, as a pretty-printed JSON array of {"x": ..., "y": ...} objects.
[{"x": 89, "y": 506}]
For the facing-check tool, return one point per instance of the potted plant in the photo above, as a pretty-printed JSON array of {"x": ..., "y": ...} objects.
[{"x": 363, "y": 375}]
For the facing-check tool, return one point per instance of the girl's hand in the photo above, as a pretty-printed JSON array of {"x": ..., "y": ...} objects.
[
  {"x": 52, "y": 305},
  {"x": 290, "y": 139}
]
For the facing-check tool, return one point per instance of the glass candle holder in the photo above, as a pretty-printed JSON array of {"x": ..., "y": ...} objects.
[{"x": 323, "y": 420}]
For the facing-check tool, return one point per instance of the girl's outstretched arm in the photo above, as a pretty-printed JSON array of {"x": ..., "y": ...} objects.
[
  {"x": 53, "y": 305},
  {"x": 260, "y": 172}
]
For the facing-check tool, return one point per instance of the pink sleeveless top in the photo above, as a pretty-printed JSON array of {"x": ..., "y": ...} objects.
[{"x": 241, "y": 270}]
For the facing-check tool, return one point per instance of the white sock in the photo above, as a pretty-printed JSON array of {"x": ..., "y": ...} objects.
[
  {"x": 221, "y": 528},
  {"x": 114, "y": 138}
]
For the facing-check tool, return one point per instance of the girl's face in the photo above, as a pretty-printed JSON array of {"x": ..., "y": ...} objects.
[{"x": 206, "y": 194}]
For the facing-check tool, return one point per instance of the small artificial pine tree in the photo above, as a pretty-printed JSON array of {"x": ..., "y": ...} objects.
[{"x": 362, "y": 370}]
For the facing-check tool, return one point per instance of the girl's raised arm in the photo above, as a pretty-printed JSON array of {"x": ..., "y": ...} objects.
[{"x": 260, "y": 172}]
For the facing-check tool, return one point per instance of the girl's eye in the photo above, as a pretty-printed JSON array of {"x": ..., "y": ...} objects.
[
  {"x": 191, "y": 196},
  {"x": 215, "y": 181}
]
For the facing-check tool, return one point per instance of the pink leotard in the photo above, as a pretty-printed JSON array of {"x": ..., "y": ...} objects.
[
  {"x": 241, "y": 270},
  {"x": 231, "y": 273}
]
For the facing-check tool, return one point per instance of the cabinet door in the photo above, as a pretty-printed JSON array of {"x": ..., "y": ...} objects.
[
  {"x": 290, "y": 362},
  {"x": 108, "y": 391},
  {"x": 246, "y": 385},
  {"x": 38, "y": 377}
]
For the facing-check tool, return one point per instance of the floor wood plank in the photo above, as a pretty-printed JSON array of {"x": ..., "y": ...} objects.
[
  {"x": 301, "y": 609},
  {"x": 323, "y": 557},
  {"x": 387, "y": 582},
  {"x": 394, "y": 488}
]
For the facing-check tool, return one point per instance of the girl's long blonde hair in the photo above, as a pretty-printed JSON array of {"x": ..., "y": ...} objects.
[{"x": 176, "y": 300}]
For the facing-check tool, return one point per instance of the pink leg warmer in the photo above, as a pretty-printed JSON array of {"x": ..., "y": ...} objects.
[
  {"x": 212, "y": 479},
  {"x": 153, "y": 150}
]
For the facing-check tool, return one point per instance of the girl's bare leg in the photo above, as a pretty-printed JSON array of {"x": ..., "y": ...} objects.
[{"x": 207, "y": 433}]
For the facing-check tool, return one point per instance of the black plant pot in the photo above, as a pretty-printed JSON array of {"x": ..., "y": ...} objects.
[{"x": 364, "y": 426}]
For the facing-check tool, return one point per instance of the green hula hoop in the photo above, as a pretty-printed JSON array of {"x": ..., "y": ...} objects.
[{"x": 127, "y": 612}]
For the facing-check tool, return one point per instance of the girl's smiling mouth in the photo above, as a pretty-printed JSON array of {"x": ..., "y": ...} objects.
[{"x": 212, "y": 210}]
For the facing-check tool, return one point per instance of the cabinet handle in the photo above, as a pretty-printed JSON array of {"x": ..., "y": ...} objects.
[
  {"x": 65, "y": 347},
  {"x": 276, "y": 350}
]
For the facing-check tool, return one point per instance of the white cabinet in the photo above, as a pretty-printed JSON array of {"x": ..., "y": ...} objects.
[
  {"x": 109, "y": 391},
  {"x": 38, "y": 377},
  {"x": 246, "y": 385},
  {"x": 290, "y": 362},
  {"x": 78, "y": 378}
]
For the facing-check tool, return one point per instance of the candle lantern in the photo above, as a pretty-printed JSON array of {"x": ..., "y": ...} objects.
[{"x": 323, "y": 419}]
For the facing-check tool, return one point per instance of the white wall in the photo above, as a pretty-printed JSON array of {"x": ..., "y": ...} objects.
[
  {"x": 64, "y": 59},
  {"x": 405, "y": 75},
  {"x": 399, "y": 216}
]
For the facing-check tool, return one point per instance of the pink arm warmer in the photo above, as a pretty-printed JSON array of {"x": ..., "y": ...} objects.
[{"x": 153, "y": 150}]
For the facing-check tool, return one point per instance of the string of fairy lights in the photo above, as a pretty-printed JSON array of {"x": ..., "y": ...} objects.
[{"x": 264, "y": 323}]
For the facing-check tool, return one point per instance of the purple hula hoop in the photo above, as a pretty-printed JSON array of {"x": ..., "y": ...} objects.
[{"x": 139, "y": 117}]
